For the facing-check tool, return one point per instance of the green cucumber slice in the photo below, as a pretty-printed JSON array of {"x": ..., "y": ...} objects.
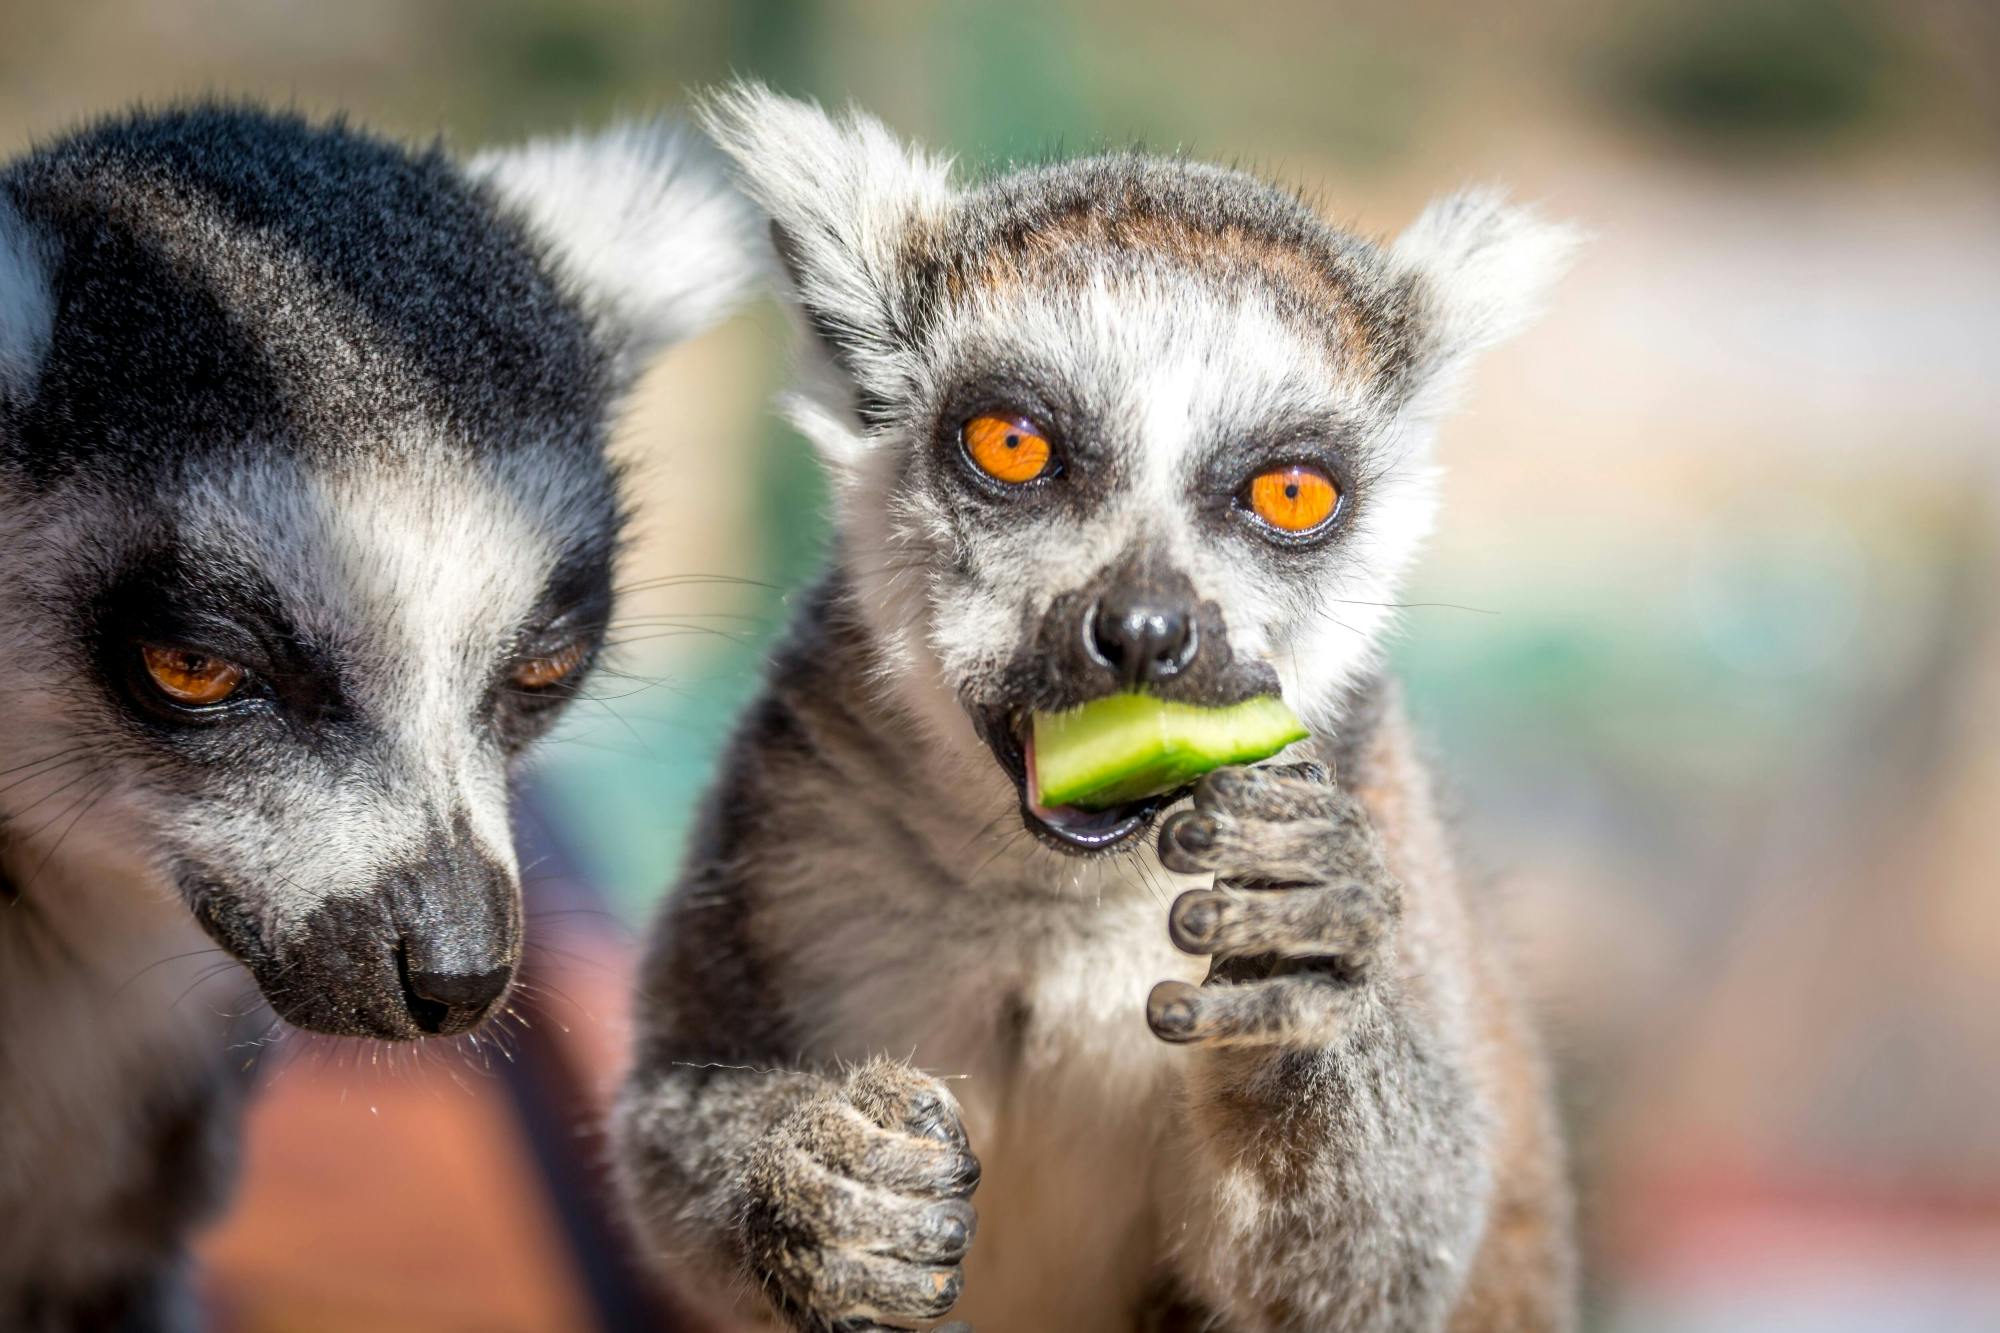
[{"x": 1127, "y": 746}]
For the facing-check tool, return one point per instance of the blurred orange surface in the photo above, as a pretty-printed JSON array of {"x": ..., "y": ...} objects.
[{"x": 392, "y": 1188}]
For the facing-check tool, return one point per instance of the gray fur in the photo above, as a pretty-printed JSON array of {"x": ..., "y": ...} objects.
[
  {"x": 334, "y": 410},
  {"x": 1327, "y": 1115}
]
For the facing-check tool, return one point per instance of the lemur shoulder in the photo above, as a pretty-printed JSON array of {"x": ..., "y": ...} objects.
[{"x": 1245, "y": 1059}]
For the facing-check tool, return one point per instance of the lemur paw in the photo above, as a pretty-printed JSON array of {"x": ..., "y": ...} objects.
[
  {"x": 857, "y": 1207},
  {"x": 1302, "y": 911}
]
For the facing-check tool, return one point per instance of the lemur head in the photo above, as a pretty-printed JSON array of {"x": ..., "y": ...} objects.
[
  {"x": 1127, "y": 422},
  {"x": 307, "y": 525}
]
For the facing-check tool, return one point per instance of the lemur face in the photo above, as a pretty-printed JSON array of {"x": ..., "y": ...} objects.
[
  {"x": 1134, "y": 469},
  {"x": 1121, "y": 423},
  {"x": 302, "y": 687},
  {"x": 308, "y": 527}
]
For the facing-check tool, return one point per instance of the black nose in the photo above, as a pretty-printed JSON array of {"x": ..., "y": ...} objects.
[
  {"x": 1144, "y": 639},
  {"x": 448, "y": 1002}
]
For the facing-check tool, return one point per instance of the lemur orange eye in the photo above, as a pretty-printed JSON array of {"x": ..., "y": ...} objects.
[
  {"x": 1006, "y": 449},
  {"x": 538, "y": 673},
  {"x": 191, "y": 679},
  {"x": 1297, "y": 498}
]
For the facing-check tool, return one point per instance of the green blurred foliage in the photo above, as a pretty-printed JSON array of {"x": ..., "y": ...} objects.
[{"x": 1761, "y": 71}]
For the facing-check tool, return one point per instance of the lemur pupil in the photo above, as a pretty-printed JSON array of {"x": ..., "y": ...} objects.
[
  {"x": 1013, "y": 442},
  {"x": 1292, "y": 491}
]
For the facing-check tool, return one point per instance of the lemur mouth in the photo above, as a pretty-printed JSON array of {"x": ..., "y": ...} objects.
[{"x": 1066, "y": 828}]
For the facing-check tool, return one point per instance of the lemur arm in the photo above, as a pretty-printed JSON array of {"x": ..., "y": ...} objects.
[
  {"x": 684, "y": 1132},
  {"x": 843, "y": 1198},
  {"x": 840, "y": 1195},
  {"x": 1338, "y": 1173}
]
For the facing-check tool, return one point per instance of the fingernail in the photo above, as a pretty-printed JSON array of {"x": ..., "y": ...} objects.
[
  {"x": 950, "y": 1231},
  {"x": 1199, "y": 919},
  {"x": 1174, "y": 1018},
  {"x": 1195, "y": 833},
  {"x": 927, "y": 1115}
]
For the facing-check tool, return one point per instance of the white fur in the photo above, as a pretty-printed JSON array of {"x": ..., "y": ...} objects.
[
  {"x": 1487, "y": 267},
  {"x": 27, "y": 306},
  {"x": 844, "y": 194},
  {"x": 642, "y": 219}
]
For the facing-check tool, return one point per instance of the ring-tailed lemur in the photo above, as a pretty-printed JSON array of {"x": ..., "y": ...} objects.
[
  {"x": 1114, "y": 423},
  {"x": 306, "y": 530}
]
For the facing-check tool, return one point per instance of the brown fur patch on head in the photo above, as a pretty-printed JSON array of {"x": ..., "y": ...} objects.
[{"x": 1133, "y": 216}]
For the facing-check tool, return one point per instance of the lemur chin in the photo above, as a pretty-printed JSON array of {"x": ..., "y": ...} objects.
[
  {"x": 1124, "y": 422},
  {"x": 306, "y": 532}
]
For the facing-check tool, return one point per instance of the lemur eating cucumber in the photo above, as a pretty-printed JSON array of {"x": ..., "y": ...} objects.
[{"x": 1239, "y": 1057}]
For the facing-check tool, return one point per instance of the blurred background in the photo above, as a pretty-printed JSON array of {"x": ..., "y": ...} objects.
[{"x": 1712, "y": 670}]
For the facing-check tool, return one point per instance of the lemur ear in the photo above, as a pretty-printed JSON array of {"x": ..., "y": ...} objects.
[
  {"x": 642, "y": 218},
  {"x": 845, "y": 198},
  {"x": 27, "y": 303},
  {"x": 1484, "y": 268}
]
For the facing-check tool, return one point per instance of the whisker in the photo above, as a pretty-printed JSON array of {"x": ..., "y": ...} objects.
[
  {"x": 64, "y": 756},
  {"x": 692, "y": 580},
  {"x": 162, "y": 962},
  {"x": 82, "y": 807},
  {"x": 1417, "y": 606},
  {"x": 51, "y": 795}
]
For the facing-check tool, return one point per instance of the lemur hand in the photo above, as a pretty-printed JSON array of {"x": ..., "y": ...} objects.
[
  {"x": 1302, "y": 911},
  {"x": 857, "y": 1207}
]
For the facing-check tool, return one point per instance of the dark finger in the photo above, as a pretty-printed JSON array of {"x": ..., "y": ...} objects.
[
  {"x": 1348, "y": 921},
  {"x": 1299, "y": 1010}
]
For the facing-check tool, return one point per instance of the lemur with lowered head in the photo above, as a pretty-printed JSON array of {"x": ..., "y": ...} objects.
[
  {"x": 1299, "y": 1096},
  {"x": 306, "y": 530}
]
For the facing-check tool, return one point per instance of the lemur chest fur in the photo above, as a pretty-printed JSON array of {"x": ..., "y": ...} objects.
[{"x": 1030, "y": 1003}]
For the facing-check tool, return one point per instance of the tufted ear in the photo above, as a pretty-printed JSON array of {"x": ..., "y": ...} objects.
[
  {"x": 643, "y": 219},
  {"x": 27, "y": 302},
  {"x": 845, "y": 198},
  {"x": 1484, "y": 269}
]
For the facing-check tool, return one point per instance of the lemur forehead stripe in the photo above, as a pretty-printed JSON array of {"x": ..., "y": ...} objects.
[
  {"x": 394, "y": 285},
  {"x": 326, "y": 354},
  {"x": 1112, "y": 214}
]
